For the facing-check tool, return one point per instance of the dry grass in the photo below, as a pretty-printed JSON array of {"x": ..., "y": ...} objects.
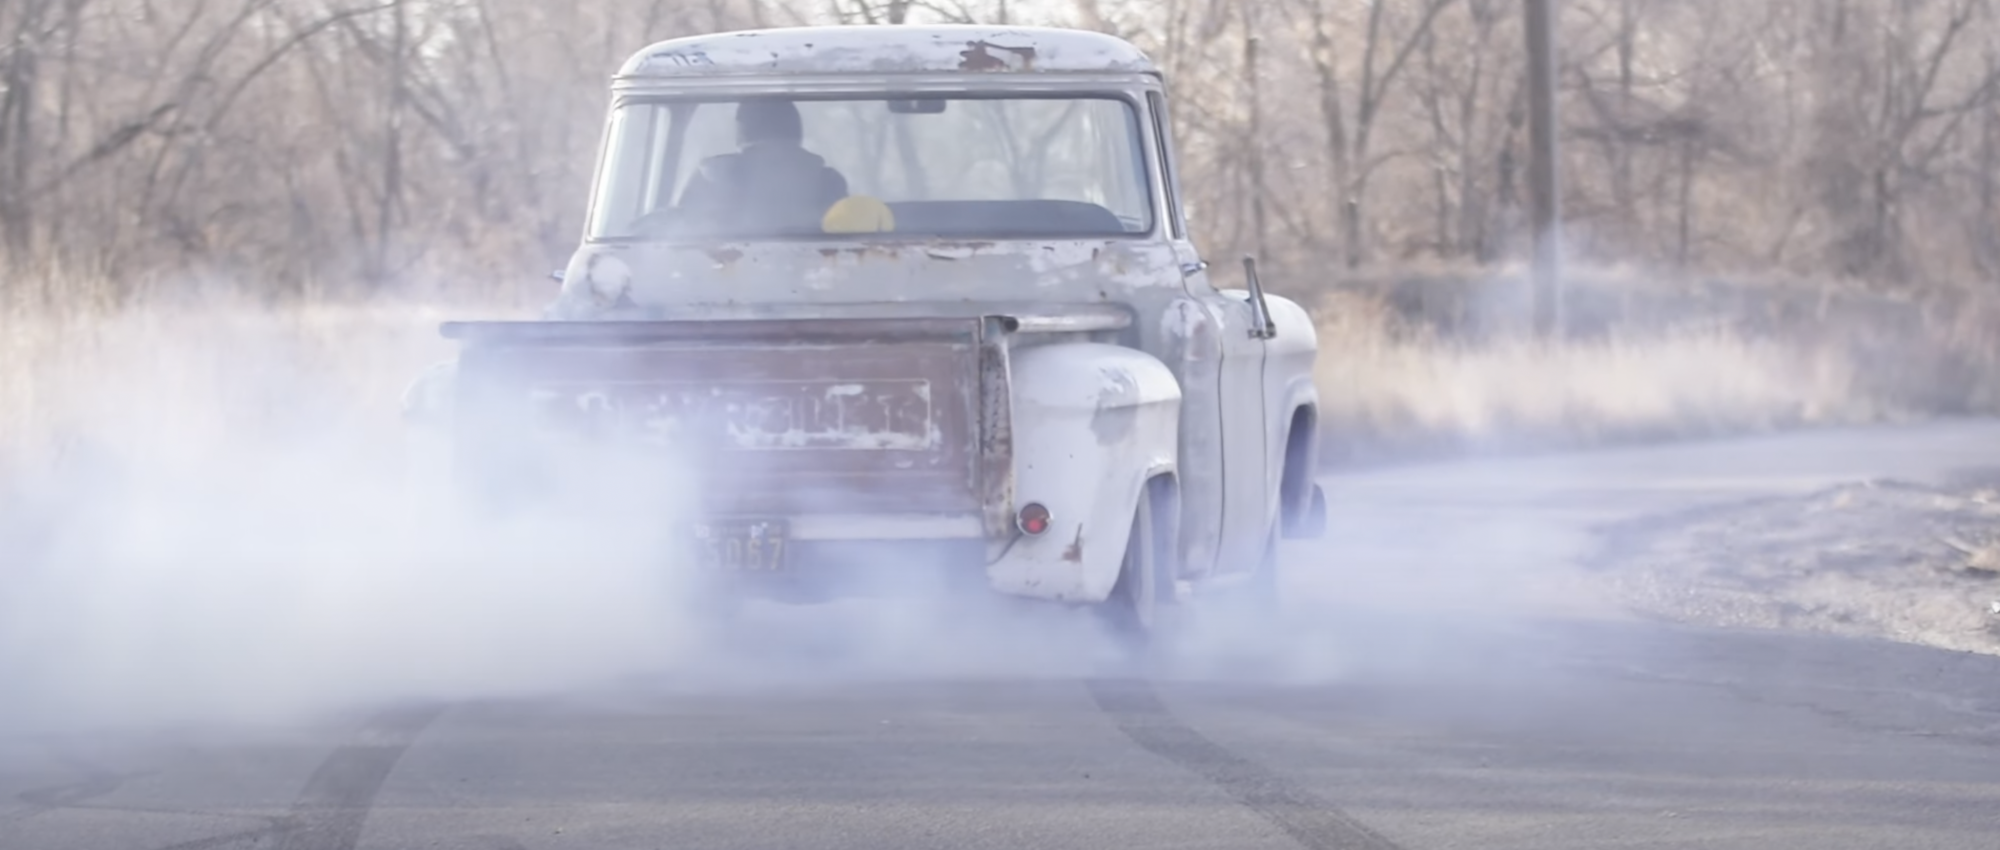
[
  {"x": 179, "y": 381},
  {"x": 1438, "y": 364},
  {"x": 1385, "y": 394},
  {"x": 175, "y": 383}
]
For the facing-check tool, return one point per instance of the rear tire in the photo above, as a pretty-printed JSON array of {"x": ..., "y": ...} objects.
[{"x": 1133, "y": 608}]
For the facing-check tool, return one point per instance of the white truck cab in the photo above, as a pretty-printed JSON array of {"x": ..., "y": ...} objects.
[{"x": 908, "y": 299}]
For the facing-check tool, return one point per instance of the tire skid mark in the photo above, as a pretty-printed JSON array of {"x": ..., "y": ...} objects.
[
  {"x": 334, "y": 804},
  {"x": 99, "y": 782},
  {"x": 1314, "y": 823},
  {"x": 252, "y": 837},
  {"x": 96, "y": 783}
]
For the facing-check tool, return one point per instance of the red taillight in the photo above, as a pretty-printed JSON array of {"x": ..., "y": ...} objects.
[{"x": 1033, "y": 519}]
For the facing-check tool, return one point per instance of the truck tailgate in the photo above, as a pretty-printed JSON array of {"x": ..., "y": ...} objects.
[{"x": 765, "y": 417}]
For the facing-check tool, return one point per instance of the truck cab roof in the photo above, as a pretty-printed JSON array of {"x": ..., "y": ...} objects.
[{"x": 888, "y": 50}]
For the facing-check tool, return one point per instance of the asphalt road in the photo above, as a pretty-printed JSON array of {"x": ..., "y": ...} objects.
[{"x": 1446, "y": 675}]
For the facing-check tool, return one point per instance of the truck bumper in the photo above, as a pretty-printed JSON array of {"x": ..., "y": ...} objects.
[
  {"x": 823, "y": 570},
  {"x": 835, "y": 556}
]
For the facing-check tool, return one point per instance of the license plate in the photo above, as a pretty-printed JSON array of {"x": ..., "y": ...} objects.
[{"x": 741, "y": 547}]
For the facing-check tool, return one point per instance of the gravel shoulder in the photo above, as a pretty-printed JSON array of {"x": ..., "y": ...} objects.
[{"x": 1908, "y": 561}]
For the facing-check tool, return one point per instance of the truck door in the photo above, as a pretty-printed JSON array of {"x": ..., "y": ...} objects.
[
  {"x": 1246, "y": 518},
  {"x": 1223, "y": 464}
]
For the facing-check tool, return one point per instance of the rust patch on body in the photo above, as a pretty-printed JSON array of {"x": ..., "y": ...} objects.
[
  {"x": 865, "y": 251},
  {"x": 978, "y": 56},
  {"x": 1073, "y": 553},
  {"x": 877, "y": 415}
]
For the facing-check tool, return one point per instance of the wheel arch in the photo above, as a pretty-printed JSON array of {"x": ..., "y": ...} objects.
[{"x": 1298, "y": 498}]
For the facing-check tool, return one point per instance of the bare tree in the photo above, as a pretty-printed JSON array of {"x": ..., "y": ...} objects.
[
  {"x": 381, "y": 144},
  {"x": 1350, "y": 137}
]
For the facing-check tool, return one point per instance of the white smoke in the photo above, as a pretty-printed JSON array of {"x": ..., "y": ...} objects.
[{"x": 213, "y": 572}]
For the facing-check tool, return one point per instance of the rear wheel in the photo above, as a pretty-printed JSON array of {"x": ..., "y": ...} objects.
[{"x": 1133, "y": 609}]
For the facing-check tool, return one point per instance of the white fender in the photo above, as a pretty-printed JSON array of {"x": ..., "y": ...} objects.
[
  {"x": 1296, "y": 344},
  {"x": 1092, "y": 424},
  {"x": 1288, "y": 382},
  {"x": 1288, "y": 363}
]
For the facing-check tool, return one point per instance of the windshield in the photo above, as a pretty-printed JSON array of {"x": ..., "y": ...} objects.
[{"x": 981, "y": 167}]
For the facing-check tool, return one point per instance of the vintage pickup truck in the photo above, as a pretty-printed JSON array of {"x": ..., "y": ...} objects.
[{"x": 903, "y": 305}]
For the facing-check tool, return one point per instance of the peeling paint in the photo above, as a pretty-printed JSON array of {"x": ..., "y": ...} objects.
[
  {"x": 1116, "y": 414},
  {"x": 1059, "y": 255},
  {"x": 1113, "y": 425},
  {"x": 891, "y": 414},
  {"x": 980, "y": 56},
  {"x": 678, "y": 276},
  {"x": 685, "y": 58},
  {"x": 1118, "y": 387},
  {"x": 889, "y": 49}
]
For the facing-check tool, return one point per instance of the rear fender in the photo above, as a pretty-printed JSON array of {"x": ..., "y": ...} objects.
[
  {"x": 1092, "y": 424},
  {"x": 1292, "y": 410}
]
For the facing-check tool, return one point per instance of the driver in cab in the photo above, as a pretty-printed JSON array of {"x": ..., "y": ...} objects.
[{"x": 772, "y": 184}]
